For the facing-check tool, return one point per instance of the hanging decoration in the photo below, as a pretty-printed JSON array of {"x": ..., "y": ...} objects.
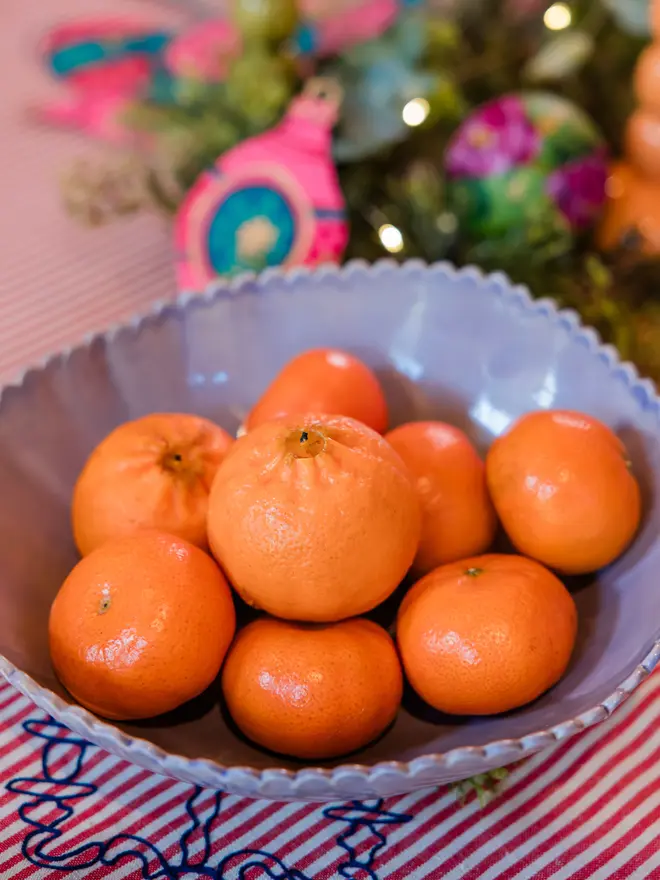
[
  {"x": 101, "y": 67},
  {"x": 272, "y": 200},
  {"x": 527, "y": 159}
]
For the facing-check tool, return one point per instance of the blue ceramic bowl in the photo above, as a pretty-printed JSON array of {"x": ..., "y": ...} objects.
[{"x": 450, "y": 345}]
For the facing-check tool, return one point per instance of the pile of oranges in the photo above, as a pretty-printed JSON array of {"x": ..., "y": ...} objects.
[{"x": 314, "y": 517}]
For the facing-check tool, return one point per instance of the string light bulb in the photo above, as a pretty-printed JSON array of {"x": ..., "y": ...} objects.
[
  {"x": 416, "y": 111},
  {"x": 390, "y": 238},
  {"x": 557, "y": 17}
]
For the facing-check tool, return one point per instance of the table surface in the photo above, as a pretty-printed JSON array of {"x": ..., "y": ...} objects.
[{"x": 588, "y": 809}]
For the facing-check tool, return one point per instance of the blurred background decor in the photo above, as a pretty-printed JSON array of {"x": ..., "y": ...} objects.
[
  {"x": 271, "y": 200},
  {"x": 488, "y": 132},
  {"x": 526, "y": 158}
]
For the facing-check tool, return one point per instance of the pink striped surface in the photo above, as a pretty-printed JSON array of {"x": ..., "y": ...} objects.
[
  {"x": 58, "y": 281},
  {"x": 588, "y": 809}
]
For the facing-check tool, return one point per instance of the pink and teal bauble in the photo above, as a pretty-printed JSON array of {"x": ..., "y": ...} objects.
[
  {"x": 526, "y": 161},
  {"x": 272, "y": 200}
]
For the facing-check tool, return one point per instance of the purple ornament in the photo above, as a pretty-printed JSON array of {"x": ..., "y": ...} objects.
[
  {"x": 494, "y": 139},
  {"x": 526, "y": 160},
  {"x": 577, "y": 189}
]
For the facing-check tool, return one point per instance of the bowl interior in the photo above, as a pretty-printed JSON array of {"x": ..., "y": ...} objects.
[{"x": 457, "y": 348}]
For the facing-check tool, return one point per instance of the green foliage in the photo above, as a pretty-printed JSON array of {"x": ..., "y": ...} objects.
[
  {"x": 259, "y": 87},
  {"x": 484, "y": 785}
]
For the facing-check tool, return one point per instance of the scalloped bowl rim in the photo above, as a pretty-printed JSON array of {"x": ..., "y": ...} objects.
[{"x": 210, "y": 773}]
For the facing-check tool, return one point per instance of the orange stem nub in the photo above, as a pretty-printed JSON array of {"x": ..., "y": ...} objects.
[{"x": 305, "y": 443}]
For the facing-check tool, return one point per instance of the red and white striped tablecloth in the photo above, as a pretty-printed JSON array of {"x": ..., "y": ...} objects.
[{"x": 588, "y": 809}]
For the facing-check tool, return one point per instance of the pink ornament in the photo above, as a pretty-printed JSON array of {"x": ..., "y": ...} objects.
[
  {"x": 102, "y": 65},
  {"x": 103, "y": 55},
  {"x": 271, "y": 200}
]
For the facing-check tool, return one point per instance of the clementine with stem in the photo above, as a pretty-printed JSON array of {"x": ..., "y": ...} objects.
[
  {"x": 486, "y": 635},
  {"x": 140, "y": 626},
  {"x": 313, "y": 518},
  {"x": 154, "y": 472}
]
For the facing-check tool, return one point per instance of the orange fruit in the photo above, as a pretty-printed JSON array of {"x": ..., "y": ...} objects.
[
  {"x": 563, "y": 488},
  {"x": 323, "y": 380},
  {"x": 458, "y": 518},
  {"x": 486, "y": 634},
  {"x": 313, "y": 518},
  {"x": 155, "y": 472},
  {"x": 313, "y": 691},
  {"x": 140, "y": 626}
]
